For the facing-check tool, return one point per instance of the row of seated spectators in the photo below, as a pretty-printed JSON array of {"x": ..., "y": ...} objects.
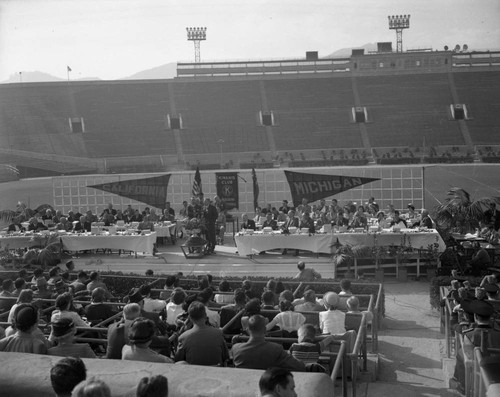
[
  {"x": 474, "y": 322},
  {"x": 175, "y": 326},
  {"x": 431, "y": 154}
]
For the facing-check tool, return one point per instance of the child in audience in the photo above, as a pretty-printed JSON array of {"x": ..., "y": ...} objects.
[{"x": 308, "y": 350}]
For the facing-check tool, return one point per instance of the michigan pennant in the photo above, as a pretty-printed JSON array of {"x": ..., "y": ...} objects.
[
  {"x": 317, "y": 186},
  {"x": 152, "y": 191}
]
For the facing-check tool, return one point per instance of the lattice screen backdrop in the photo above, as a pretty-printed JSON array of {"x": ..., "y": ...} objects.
[{"x": 397, "y": 185}]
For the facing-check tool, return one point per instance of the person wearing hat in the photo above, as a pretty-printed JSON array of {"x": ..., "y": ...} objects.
[
  {"x": 332, "y": 320},
  {"x": 412, "y": 217},
  {"x": 202, "y": 344},
  {"x": 140, "y": 335},
  {"x": 136, "y": 296},
  {"x": 382, "y": 222},
  {"x": 24, "y": 340},
  {"x": 63, "y": 334},
  {"x": 480, "y": 335},
  {"x": 63, "y": 304}
]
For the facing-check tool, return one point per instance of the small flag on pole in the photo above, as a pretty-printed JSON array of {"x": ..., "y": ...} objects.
[
  {"x": 69, "y": 69},
  {"x": 197, "y": 191}
]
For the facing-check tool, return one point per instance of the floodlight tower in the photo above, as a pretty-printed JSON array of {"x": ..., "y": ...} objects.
[
  {"x": 196, "y": 35},
  {"x": 398, "y": 23}
]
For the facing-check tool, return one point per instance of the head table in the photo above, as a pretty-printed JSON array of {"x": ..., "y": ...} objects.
[
  {"x": 251, "y": 244},
  {"x": 143, "y": 242}
]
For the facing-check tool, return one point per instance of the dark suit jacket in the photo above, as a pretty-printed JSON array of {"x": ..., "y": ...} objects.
[
  {"x": 272, "y": 224},
  {"x": 264, "y": 355},
  {"x": 250, "y": 224},
  {"x": 117, "y": 338},
  {"x": 294, "y": 222}
]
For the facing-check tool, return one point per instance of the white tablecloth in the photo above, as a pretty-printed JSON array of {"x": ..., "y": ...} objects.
[
  {"x": 321, "y": 243},
  {"x": 14, "y": 242},
  {"x": 135, "y": 243},
  {"x": 165, "y": 231}
]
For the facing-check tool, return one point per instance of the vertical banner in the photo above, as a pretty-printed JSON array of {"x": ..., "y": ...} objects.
[
  {"x": 227, "y": 188},
  {"x": 256, "y": 190}
]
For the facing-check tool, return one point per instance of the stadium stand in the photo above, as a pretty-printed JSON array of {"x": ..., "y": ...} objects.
[
  {"x": 405, "y": 109},
  {"x": 279, "y": 118},
  {"x": 479, "y": 92}
]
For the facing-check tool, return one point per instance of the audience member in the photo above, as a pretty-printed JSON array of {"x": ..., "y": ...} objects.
[
  {"x": 63, "y": 305},
  {"x": 203, "y": 344},
  {"x": 306, "y": 274},
  {"x": 80, "y": 284},
  {"x": 19, "y": 285},
  {"x": 229, "y": 311},
  {"x": 287, "y": 320},
  {"x": 156, "y": 386},
  {"x": 310, "y": 304},
  {"x": 66, "y": 374},
  {"x": 7, "y": 289},
  {"x": 332, "y": 320},
  {"x": 140, "y": 335},
  {"x": 174, "y": 307},
  {"x": 95, "y": 281},
  {"x": 24, "y": 340},
  {"x": 118, "y": 332},
  {"x": 257, "y": 353},
  {"x": 91, "y": 388},
  {"x": 98, "y": 311},
  {"x": 63, "y": 334},
  {"x": 152, "y": 305},
  {"x": 277, "y": 382},
  {"x": 26, "y": 296},
  {"x": 205, "y": 298},
  {"x": 224, "y": 298},
  {"x": 308, "y": 350}
]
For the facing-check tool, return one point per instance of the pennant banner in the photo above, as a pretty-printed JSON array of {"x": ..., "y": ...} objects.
[
  {"x": 227, "y": 188},
  {"x": 317, "y": 186},
  {"x": 152, "y": 191}
]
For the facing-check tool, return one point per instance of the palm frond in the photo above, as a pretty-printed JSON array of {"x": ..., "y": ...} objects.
[{"x": 7, "y": 215}]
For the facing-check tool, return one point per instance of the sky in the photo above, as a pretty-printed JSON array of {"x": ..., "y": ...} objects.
[{"x": 112, "y": 39}]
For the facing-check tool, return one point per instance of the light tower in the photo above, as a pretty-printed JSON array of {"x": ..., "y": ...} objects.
[
  {"x": 196, "y": 35},
  {"x": 398, "y": 23}
]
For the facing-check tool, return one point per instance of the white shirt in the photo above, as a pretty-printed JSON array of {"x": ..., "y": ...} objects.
[
  {"x": 332, "y": 322},
  {"x": 154, "y": 305},
  {"x": 173, "y": 311}
]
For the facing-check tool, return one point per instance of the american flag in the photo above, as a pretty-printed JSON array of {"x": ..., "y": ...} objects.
[{"x": 197, "y": 191}]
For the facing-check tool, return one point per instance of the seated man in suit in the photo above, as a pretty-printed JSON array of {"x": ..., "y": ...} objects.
[
  {"x": 257, "y": 353},
  {"x": 247, "y": 223},
  {"x": 270, "y": 222},
  {"x": 292, "y": 221},
  {"x": 118, "y": 332}
]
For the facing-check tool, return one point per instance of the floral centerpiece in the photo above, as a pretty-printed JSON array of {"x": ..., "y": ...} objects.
[{"x": 195, "y": 226}]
